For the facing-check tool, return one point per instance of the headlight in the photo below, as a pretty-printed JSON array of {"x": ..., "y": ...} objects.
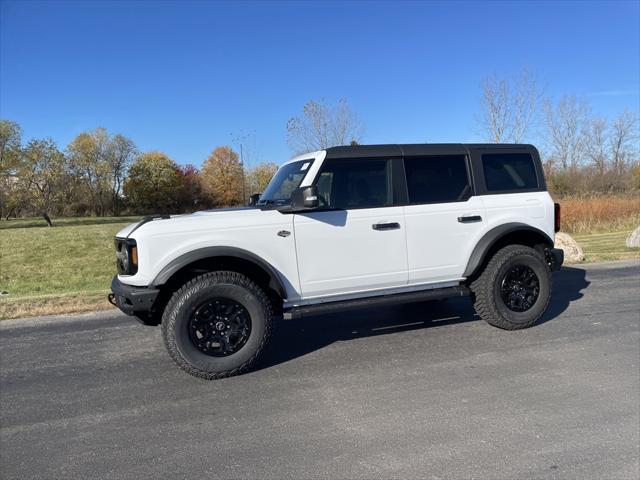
[{"x": 126, "y": 256}]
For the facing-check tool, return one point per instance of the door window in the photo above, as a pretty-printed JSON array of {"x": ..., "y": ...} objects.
[
  {"x": 437, "y": 179},
  {"x": 362, "y": 183},
  {"x": 509, "y": 171}
]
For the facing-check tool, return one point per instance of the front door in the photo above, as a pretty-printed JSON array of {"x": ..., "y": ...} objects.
[{"x": 357, "y": 241}]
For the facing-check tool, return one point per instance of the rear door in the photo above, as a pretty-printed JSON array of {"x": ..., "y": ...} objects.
[
  {"x": 510, "y": 182},
  {"x": 443, "y": 215},
  {"x": 357, "y": 243}
]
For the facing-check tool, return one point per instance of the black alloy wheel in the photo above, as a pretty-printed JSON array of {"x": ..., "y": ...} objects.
[
  {"x": 220, "y": 327},
  {"x": 520, "y": 288}
]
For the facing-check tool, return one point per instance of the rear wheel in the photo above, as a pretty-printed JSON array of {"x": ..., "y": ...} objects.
[
  {"x": 514, "y": 289},
  {"x": 217, "y": 325}
]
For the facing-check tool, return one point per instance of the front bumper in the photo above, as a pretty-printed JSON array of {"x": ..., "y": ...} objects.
[
  {"x": 131, "y": 299},
  {"x": 555, "y": 258}
]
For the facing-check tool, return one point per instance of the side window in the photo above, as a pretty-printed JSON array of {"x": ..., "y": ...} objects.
[
  {"x": 355, "y": 183},
  {"x": 437, "y": 179},
  {"x": 509, "y": 171}
]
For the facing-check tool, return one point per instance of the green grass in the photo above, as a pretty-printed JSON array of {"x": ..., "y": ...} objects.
[
  {"x": 57, "y": 266},
  {"x": 64, "y": 222},
  {"x": 603, "y": 246}
]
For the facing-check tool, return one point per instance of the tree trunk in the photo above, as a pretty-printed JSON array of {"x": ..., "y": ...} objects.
[{"x": 47, "y": 219}]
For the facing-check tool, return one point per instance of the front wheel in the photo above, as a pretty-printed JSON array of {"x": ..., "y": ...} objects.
[
  {"x": 514, "y": 289},
  {"x": 217, "y": 325}
]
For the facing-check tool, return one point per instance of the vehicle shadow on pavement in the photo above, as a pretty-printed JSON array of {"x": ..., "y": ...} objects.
[
  {"x": 568, "y": 286},
  {"x": 295, "y": 338}
]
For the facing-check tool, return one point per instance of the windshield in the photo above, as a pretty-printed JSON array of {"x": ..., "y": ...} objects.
[{"x": 284, "y": 182}]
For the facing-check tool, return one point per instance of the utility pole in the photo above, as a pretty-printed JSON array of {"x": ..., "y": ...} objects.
[{"x": 244, "y": 196}]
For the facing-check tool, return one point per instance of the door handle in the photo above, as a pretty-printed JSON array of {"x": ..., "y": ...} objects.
[
  {"x": 386, "y": 226},
  {"x": 470, "y": 219}
]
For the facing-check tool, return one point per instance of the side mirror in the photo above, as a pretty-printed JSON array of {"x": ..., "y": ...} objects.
[
  {"x": 254, "y": 199},
  {"x": 305, "y": 198}
]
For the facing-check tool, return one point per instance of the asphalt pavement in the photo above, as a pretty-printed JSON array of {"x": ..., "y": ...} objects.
[{"x": 417, "y": 391}]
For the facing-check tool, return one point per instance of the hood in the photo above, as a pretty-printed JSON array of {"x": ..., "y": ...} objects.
[{"x": 202, "y": 220}]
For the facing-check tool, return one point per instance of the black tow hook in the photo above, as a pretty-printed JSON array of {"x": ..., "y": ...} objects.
[{"x": 112, "y": 299}]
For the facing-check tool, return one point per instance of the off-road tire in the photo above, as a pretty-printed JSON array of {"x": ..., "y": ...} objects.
[
  {"x": 486, "y": 288},
  {"x": 176, "y": 317}
]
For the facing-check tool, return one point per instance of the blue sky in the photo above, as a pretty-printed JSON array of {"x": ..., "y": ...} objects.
[{"x": 184, "y": 77}]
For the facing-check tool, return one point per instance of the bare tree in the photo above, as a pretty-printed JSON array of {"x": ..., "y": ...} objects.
[
  {"x": 596, "y": 143},
  {"x": 624, "y": 140},
  {"x": 322, "y": 125},
  {"x": 566, "y": 127},
  {"x": 509, "y": 106}
]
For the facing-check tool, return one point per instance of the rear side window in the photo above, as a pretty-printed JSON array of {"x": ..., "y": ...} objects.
[
  {"x": 345, "y": 184},
  {"x": 437, "y": 179},
  {"x": 509, "y": 171}
]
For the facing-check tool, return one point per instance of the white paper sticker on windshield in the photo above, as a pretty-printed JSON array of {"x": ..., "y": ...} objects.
[{"x": 305, "y": 166}]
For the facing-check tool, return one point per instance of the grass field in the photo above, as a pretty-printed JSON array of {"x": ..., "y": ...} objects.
[
  {"x": 604, "y": 246},
  {"x": 68, "y": 268}
]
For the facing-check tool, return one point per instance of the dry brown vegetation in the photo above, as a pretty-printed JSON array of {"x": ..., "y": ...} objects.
[
  {"x": 602, "y": 213},
  {"x": 53, "y": 305}
]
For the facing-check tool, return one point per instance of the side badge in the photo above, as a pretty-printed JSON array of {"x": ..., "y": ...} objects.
[{"x": 284, "y": 233}]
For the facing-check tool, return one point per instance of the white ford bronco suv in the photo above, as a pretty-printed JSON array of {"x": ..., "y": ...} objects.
[{"x": 345, "y": 227}]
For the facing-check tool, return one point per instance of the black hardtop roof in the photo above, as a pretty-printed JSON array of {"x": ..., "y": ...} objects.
[{"x": 410, "y": 149}]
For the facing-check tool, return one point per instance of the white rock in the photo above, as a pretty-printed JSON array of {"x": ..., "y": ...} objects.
[
  {"x": 572, "y": 251},
  {"x": 633, "y": 240}
]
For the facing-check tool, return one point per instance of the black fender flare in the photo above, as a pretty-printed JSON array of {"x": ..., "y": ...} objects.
[
  {"x": 176, "y": 264},
  {"x": 495, "y": 234}
]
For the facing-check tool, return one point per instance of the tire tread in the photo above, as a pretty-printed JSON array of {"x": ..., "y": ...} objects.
[
  {"x": 482, "y": 288},
  {"x": 185, "y": 292}
]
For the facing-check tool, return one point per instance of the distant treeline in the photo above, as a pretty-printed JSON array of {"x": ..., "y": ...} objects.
[{"x": 103, "y": 174}]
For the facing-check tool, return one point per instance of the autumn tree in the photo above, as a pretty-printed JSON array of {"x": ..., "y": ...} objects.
[
  {"x": 41, "y": 175},
  {"x": 101, "y": 161},
  {"x": 10, "y": 150},
  {"x": 191, "y": 196},
  {"x": 10, "y": 143},
  {"x": 222, "y": 178},
  {"x": 509, "y": 107},
  {"x": 323, "y": 125},
  {"x": 259, "y": 177},
  {"x": 120, "y": 154},
  {"x": 153, "y": 184}
]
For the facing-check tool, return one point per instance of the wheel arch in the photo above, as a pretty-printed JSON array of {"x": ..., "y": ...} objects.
[
  {"x": 220, "y": 258},
  {"x": 501, "y": 236}
]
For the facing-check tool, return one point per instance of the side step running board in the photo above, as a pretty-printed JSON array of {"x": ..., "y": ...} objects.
[{"x": 382, "y": 300}]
